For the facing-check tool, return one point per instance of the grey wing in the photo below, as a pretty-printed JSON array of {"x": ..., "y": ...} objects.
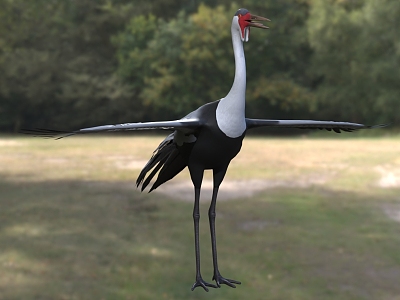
[
  {"x": 184, "y": 125},
  {"x": 308, "y": 124}
]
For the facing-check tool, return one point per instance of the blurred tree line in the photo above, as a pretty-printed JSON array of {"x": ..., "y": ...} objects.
[{"x": 68, "y": 64}]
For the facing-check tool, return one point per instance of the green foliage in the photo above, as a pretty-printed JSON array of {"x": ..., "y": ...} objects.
[
  {"x": 67, "y": 64},
  {"x": 178, "y": 65},
  {"x": 357, "y": 59},
  {"x": 278, "y": 69},
  {"x": 183, "y": 63},
  {"x": 57, "y": 62}
]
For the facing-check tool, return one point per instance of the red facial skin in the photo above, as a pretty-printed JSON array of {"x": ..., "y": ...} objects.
[{"x": 244, "y": 22}]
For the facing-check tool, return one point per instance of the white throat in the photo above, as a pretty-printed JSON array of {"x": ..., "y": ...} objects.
[{"x": 230, "y": 112}]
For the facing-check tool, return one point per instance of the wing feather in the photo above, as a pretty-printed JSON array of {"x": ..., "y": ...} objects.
[
  {"x": 186, "y": 125},
  {"x": 309, "y": 124}
]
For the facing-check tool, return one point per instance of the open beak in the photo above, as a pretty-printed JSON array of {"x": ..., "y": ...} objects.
[{"x": 255, "y": 22}]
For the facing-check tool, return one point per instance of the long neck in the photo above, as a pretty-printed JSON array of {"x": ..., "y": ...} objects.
[
  {"x": 238, "y": 89},
  {"x": 231, "y": 109}
]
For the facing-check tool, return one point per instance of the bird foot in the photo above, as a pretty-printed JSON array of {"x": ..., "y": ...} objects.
[
  {"x": 221, "y": 280},
  {"x": 203, "y": 284}
]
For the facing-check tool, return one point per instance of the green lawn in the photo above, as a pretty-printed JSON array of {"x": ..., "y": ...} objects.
[{"x": 73, "y": 226}]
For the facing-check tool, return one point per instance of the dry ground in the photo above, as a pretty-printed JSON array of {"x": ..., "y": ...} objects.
[{"x": 321, "y": 216}]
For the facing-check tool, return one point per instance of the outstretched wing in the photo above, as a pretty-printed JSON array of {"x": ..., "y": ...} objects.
[
  {"x": 308, "y": 124},
  {"x": 185, "y": 125}
]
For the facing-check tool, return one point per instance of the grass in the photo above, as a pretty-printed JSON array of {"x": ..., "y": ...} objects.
[{"x": 73, "y": 226}]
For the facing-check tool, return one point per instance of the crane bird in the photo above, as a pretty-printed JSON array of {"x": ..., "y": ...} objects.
[{"x": 207, "y": 139}]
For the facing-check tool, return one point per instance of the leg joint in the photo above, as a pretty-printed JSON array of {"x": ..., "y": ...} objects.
[
  {"x": 196, "y": 216},
  {"x": 212, "y": 214}
]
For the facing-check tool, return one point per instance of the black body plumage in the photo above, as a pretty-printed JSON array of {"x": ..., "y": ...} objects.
[{"x": 212, "y": 149}]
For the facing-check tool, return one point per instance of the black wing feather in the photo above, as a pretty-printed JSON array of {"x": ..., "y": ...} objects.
[
  {"x": 186, "y": 125},
  {"x": 309, "y": 124}
]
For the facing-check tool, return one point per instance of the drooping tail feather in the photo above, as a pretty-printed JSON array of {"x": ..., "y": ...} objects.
[
  {"x": 168, "y": 160},
  {"x": 175, "y": 163},
  {"x": 154, "y": 172},
  {"x": 160, "y": 155}
]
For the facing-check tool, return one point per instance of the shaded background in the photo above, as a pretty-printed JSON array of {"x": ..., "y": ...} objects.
[{"x": 68, "y": 64}]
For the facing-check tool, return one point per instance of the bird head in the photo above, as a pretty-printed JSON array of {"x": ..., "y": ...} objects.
[{"x": 243, "y": 20}]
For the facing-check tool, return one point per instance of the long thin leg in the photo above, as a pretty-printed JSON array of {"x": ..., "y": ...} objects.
[
  {"x": 197, "y": 178},
  {"x": 218, "y": 177}
]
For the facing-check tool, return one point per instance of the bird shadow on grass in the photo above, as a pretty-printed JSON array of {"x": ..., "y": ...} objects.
[{"x": 105, "y": 240}]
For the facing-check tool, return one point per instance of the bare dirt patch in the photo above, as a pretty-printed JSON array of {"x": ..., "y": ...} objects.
[
  {"x": 127, "y": 162},
  {"x": 8, "y": 143},
  {"x": 57, "y": 160},
  {"x": 232, "y": 189},
  {"x": 390, "y": 176}
]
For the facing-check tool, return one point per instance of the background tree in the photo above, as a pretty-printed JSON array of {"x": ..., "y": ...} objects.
[
  {"x": 67, "y": 64},
  {"x": 57, "y": 62},
  {"x": 356, "y": 59},
  {"x": 181, "y": 64}
]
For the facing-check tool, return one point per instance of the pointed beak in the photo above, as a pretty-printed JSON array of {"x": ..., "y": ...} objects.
[{"x": 255, "y": 21}]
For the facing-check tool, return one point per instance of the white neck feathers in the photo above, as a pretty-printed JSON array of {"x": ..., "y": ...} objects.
[{"x": 231, "y": 109}]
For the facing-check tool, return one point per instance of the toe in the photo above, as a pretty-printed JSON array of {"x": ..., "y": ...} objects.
[
  {"x": 221, "y": 280},
  {"x": 203, "y": 284}
]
